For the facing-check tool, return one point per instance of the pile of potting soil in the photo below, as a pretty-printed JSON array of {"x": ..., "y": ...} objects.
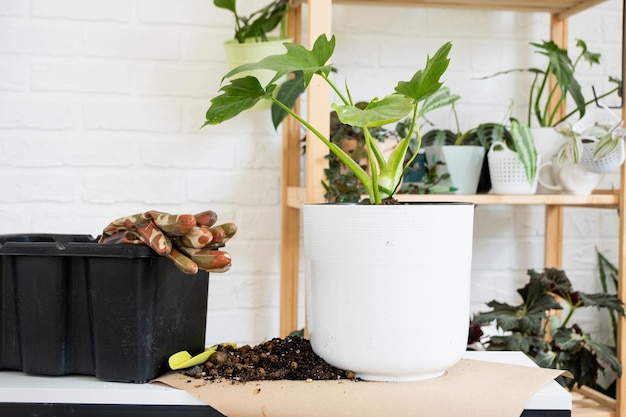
[{"x": 290, "y": 358}]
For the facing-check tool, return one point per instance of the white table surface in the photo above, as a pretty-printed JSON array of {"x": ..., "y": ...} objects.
[{"x": 17, "y": 387}]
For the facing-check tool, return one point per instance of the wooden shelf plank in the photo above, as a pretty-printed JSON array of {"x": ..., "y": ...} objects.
[
  {"x": 586, "y": 406},
  {"x": 598, "y": 200},
  {"x": 562, "y": 8}
]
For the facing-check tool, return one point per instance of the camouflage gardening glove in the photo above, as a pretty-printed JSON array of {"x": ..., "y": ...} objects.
[{"x": 189, "y": 241}]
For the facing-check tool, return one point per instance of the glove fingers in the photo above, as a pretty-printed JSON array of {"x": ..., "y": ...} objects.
[
  {"x": 118, "y": 225},
  {"x": 223, "y": 233},
  {"x": 187, "y": 240},
  {"x": 209, "y": 260},
  {"x": 151, "y": 236},
  {"x": 206, "y": 218},
  {"x": 183, "y": 263},
  {"x": 172, "y": 224},
  {"x": 197, "y": 237},
  {"x": 121, "y": 237}
]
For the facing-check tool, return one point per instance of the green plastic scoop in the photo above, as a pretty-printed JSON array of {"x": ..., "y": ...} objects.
[{"x": 183, "y": 359}]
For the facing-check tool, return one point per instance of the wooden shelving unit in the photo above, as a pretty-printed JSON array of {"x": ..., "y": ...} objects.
[{"x": 294, "y": 195}]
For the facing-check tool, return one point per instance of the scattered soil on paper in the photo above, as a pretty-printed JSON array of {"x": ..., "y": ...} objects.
[{"x": 290, "y": 358}]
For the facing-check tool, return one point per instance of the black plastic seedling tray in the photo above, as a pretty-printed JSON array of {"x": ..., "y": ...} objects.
[{"x": 70, "y": 305}]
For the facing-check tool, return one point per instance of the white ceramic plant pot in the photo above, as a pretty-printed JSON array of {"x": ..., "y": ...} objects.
[
  {"x": 388, "y": 287},
  {"x": 547, "y": 143},
  {"x": 507, "y": 172},
  {"x": 463, "y": 163}
]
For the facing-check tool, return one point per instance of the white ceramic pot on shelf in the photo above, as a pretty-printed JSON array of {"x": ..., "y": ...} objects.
[
  {"x": 384, "y": 297},
  {"x": 463, "y": 163}
]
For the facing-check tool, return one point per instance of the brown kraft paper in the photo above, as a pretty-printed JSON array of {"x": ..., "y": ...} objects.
[{"x": 471, "y": 388}]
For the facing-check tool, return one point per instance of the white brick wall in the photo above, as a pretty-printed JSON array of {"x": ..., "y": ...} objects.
[{"x": 101, "y": 105}]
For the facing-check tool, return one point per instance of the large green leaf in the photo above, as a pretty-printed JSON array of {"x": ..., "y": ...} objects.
[
  {"x": 536, "y": 299},
  {"x": 240, "y": 95},
  {"x": 226, "y": 4},
  {"x": 525, "y": 148},
  {"x": 602, "y": 300},
  {"x": 606, "y": 354},
  {"x": 515, "y": 341},
  {"x": 563, "y": 69},
  {"x": 566, "y": 339},
  {"x": 546, "y": 359},
  {"x": 297, "y": 58},
  {"x": 500, "y": 311},
  {"x": 439, "y": 137},
  {"x": 427, "y": 81},
  {"x": 484, "y": 135},
  {"x": 555, "y": 280},
  {"x": 377, "y": 113}
]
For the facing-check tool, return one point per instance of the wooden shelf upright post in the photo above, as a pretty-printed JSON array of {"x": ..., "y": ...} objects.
[
  {"x": 620, "y": 391},
  {"x": 553, "y": 247},
  {"x": 319, "y": 12},
  {"x": 290, "y": 216}
]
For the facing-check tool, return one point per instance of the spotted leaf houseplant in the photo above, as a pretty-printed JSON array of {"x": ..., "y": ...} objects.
[{"x": 372, "y": 268}]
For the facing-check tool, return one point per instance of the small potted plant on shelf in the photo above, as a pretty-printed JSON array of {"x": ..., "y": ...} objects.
[
  {"x": 253, "y": 39},
  {"x": 593, "y": 147},
  {"x": 543, "y": 109},
  {"x": 457, "y": 158},
  {"x": 552, "y": 341},
  {"x": 257, "y": 26},
  {"x": 513, "y": 164},
  {"x": 596, "y": 141},
  {"x": 372, "y": 267}
]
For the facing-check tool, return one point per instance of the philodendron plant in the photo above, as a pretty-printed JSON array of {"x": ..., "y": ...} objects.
[{"x": 384, "y": 175}]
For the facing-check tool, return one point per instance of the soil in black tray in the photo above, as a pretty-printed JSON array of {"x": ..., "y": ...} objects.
[{"x": 289, "y": 358}]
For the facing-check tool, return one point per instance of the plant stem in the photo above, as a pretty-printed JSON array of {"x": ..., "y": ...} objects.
[
  {"x": 531, "y": 101},
  {"x": 548, "y": 121},
  {"x": 570, "y": 114},
  {"x": 412, "y": 127},
  {"x": 456, "y": 120},
  {"x": 572, "y": 308},
  {"x": 335, "y": 89},
  {"x": 343, "y": 157},
  {"x": 542, "y": 87},
  {"x": 374, "y": 167}
]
